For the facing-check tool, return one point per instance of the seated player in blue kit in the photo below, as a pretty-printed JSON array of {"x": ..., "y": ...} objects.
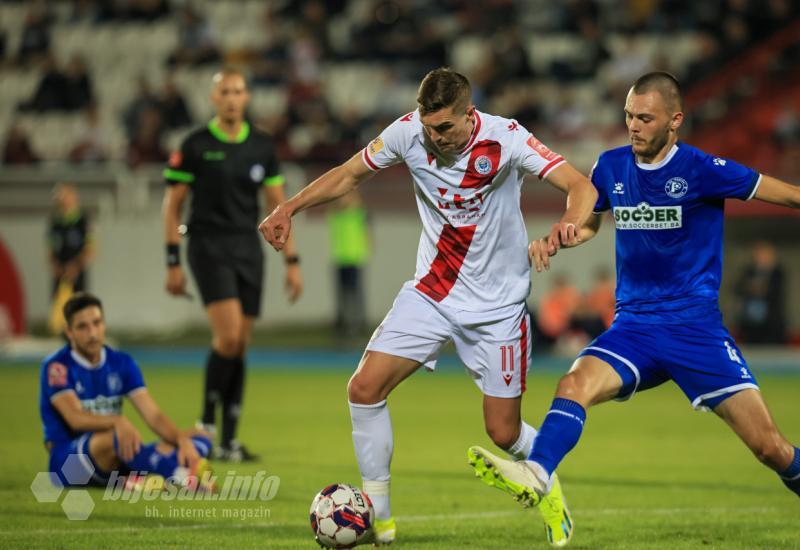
[
  {"x": 667, "y": 200},
  {"x": 82, "y": 388}
]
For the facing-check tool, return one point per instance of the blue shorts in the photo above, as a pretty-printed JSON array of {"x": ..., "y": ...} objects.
[
  {"x": 701, "y": 358},
  {"x": 74, "y": 466}
]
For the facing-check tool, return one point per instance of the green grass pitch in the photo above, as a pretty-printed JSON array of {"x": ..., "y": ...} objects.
[{"x": 649, "y": 473}]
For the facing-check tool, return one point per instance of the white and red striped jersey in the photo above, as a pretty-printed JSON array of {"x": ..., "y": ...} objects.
[{"x": 473, "y": 251}]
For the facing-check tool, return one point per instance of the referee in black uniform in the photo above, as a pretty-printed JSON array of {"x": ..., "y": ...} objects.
[{"x": 223, "y": 167}]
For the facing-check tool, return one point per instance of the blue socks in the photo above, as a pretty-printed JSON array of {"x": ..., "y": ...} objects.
[
  {"x": 791, "y": 475},
  {"x": 559, "y": 433},
  {"x": 148, "y": 459}
]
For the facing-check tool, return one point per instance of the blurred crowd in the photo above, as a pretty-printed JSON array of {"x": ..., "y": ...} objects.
[{"x": 407, "y": 38}]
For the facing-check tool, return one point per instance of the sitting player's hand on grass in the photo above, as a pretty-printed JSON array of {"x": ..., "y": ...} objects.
[
  {"x": 129, "y": 440},
  {"x": 276, "y": 227},
  {"x": 187, "y": 453}
]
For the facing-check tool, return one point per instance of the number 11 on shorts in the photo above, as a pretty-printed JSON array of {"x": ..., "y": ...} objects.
[{"x": 507, "y": 363}]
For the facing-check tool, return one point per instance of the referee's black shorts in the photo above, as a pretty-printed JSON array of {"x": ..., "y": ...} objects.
[{"x": 228, "y": 266}]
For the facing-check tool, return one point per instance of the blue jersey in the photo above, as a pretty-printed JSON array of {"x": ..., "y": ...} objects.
[
  {"x": 669, "y": 217},
  {"x": 99, "y": 388}
]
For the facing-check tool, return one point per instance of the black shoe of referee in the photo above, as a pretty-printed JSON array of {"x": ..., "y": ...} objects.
[{"x": 235, "y": 452}]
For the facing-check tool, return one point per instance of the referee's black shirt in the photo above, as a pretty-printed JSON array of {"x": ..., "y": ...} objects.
[{"x": 225, "y": 177}]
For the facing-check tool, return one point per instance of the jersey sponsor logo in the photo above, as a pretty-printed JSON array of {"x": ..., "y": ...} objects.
[
  {"x": 175, "y": 159},
  {"x": 103, "y": 405},
  {"x": 541, "y": 148},
  {"x": 483, "y": 165},
  {"x": 676, "y": 187},
  {"x": 619, "y": 188},
  {"x": 214, "y": 155},
  {"x": 645, "y": 216},
  {"x": 375, "y": 146},
  {"x": 257, "y": 173},
  {"x": 56, "y": 374}
]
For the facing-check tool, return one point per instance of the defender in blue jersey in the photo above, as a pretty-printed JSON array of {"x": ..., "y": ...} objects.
[
  {"x": 82, "y": 388},
  {"x": 667, "y": 199}
]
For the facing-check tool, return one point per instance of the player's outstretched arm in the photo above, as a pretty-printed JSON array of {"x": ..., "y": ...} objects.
[
  {"x": 540, "y": 250},
  {"x": 294, "y": 280},
  {"x": 778, "y": 192},
  {"x": 329, "y": 186},
  {"x": 581, "y": 198},
  {"x": 164, "y": 427}
]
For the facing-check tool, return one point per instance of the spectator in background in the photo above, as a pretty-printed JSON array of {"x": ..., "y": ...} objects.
[
  {"x": 600, "y": 300},
  {"x": 762, "y": 294},
  {"x": 91, "y": 143},
  {"x": 145, "y": 99},
  {"x": 50, "y": 91},
  {"x": 556, "y": 309},
  {"x": 70, "y": 250},
  {"x": 174, "y": 111},
  {"x": 146, "y": 144},
  {"x": 35, "y": 40},
  {"x": 77, "y": 85},
  {"x": 58, "y": 90},
  {"x": 349, "y": 234},
  {"x": 17, "y": 149},
  {"x": 196, "y": 42}
]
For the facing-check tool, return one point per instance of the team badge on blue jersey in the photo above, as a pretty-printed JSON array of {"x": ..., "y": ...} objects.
[
  {"x": 483, "y": 165},
  {"x": 676, "y": 187}
]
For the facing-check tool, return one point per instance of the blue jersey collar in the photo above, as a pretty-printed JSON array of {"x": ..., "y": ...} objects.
[
  {"x": 82, "y": 361},
  {"x": 660, "y": 164}
]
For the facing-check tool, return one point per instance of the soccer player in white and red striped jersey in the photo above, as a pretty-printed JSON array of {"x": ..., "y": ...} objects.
[{"x": 472, "y": 276}]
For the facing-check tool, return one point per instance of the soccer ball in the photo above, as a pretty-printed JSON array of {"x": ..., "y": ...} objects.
[{"x": 341, "y": 516}]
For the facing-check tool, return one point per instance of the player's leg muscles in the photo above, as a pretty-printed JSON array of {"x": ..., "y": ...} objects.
[
  {"x": 590, "y": 381},
  {"x": 227, "y": 323},
  {"x": 101, "y": 449},
  {"x": 748, "y": 416},
  {"x": 377, "y": 375},
  {"x": 226, "y": 320},
  {"x": 501, "y": 416}
]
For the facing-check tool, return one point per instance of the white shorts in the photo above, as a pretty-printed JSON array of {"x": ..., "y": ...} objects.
[{"x": 495, "y": 346}]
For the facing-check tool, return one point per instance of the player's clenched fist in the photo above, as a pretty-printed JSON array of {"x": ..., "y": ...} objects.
[
  {"x": 564, "y": 235},
  {"x": 275, "y": 228}
]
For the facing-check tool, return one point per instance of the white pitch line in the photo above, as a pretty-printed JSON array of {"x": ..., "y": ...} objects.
[{"x": 405, "y": 519}]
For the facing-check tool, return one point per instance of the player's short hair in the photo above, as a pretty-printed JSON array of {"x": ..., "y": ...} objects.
[
  {"x": 230, "y": 71},
  {"x": 665, "y": 84},
  {"x": 78, "y": 302},
  {"x": 442, "y": 88}
]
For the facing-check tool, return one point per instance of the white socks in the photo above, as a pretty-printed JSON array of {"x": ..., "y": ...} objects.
[
  {"x": 522, "y": 448},
  {"x": 374, "y": 442}
]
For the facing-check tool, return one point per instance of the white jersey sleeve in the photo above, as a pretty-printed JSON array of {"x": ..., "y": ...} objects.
[
  {"x": 534, "y": 157},
  {"x": 391, "y": 145}
]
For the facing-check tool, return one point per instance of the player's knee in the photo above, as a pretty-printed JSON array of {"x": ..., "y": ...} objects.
[
  {"x": 502, "y": 436},
  {"x": 575, "y": 387},
  {"x": 363, "y": 391},
  {"x": 228, "y": 345},
  {"x": 769, "y": 450}
]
